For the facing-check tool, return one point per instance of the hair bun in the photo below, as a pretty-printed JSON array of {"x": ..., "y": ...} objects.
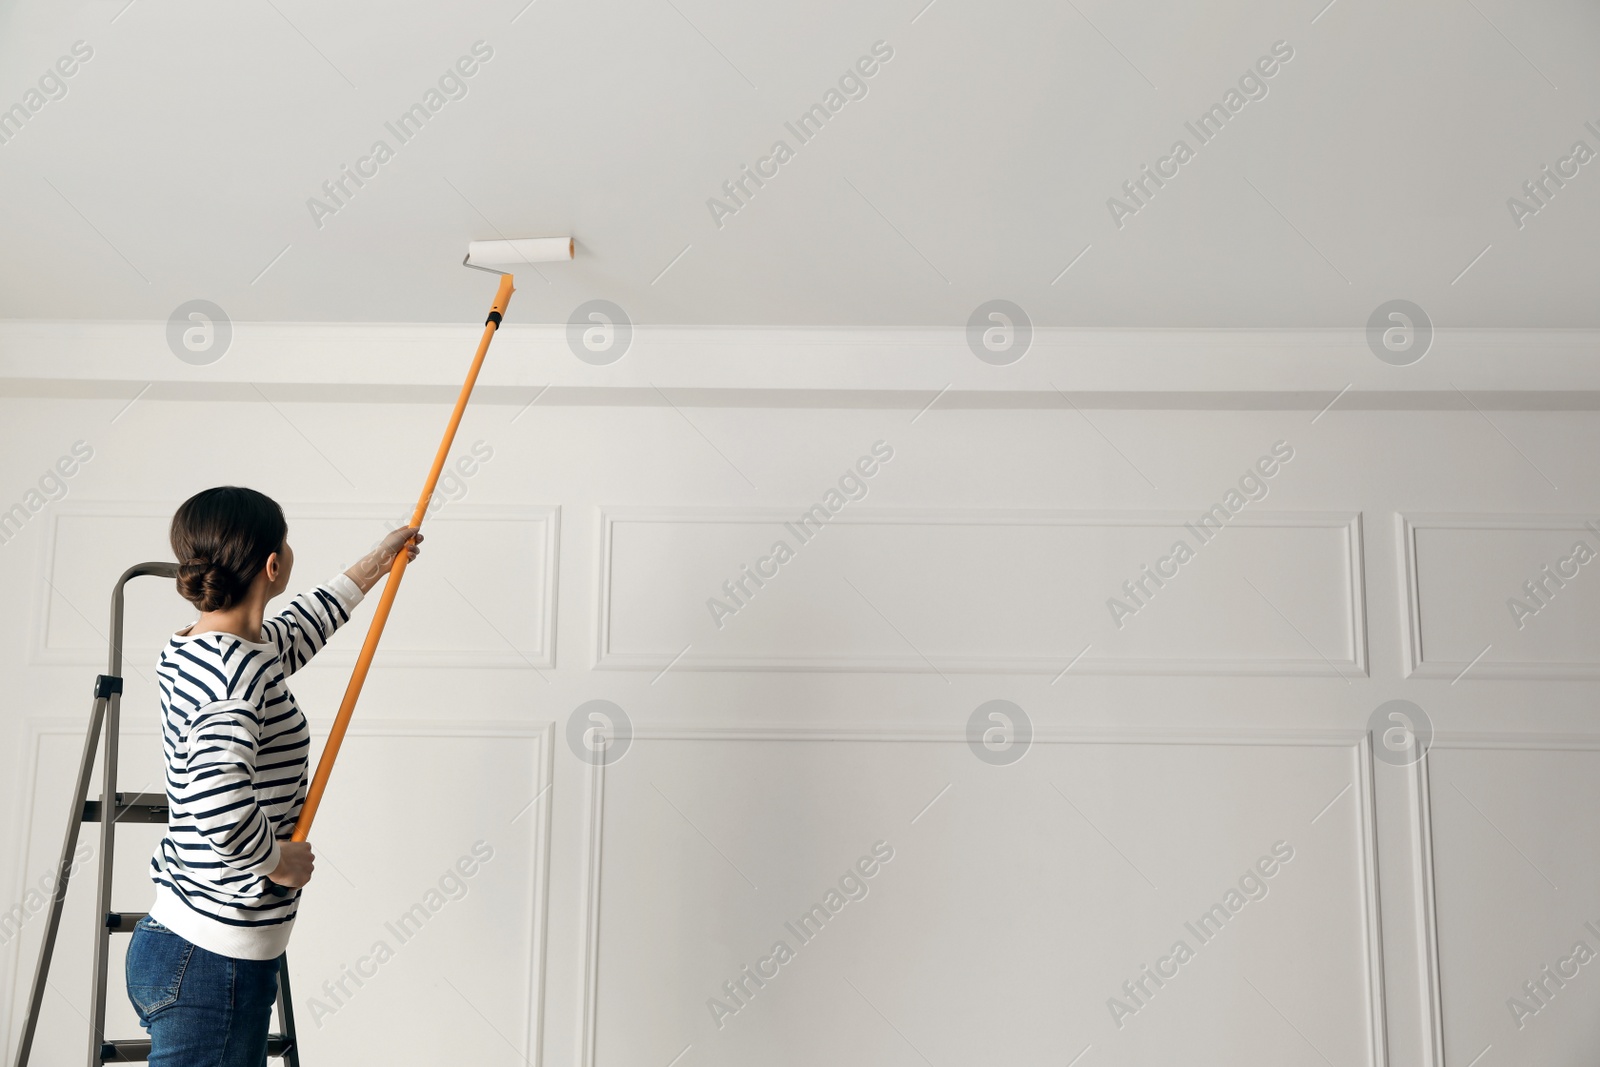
[
  {"x": 223, "y": 538},
  {"x": 206, "y": 585}
]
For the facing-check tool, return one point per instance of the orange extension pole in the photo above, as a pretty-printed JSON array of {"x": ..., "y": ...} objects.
[{"x": 347, "y": 707}]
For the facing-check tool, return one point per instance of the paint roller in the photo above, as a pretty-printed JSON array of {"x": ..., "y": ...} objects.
[
  {"x": 528, "y": 250},
  {"x": 480, "y": 254}
]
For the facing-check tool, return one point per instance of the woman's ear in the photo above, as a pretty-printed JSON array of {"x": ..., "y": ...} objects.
[{"x": 271, "y": 568}]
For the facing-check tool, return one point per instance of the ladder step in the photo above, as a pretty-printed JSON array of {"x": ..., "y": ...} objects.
[
  {"x": 131, "y": 807},
  {"x": 123, "y": 922},
  {"x": 139, "y": 1051}
]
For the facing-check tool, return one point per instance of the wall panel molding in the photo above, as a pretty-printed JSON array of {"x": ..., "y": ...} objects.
[
  {"x": 1427, "y": 880},
  {"x": 1497, "y": 631},
  {"x": 1352, "y": 597},
  {"x": 494, "y": 649},
  {"x": 1357, "y": 744},
  {"x": 538, "y": 828}
]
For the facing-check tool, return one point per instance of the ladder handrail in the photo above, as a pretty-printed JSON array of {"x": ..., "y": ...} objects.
[{"x": 160, "y": 570}]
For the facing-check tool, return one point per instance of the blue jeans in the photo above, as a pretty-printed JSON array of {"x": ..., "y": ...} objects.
[{"x": 202, "y": 1009}]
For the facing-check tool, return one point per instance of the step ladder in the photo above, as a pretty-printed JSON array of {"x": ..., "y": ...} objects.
[{"x": 123, "y": 808}]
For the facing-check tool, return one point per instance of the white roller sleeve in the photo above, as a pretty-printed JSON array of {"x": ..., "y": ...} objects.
[{"x": 526, "y": 250}]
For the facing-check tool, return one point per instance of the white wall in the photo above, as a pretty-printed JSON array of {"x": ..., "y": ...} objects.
[{"x": 767, "y": 756}]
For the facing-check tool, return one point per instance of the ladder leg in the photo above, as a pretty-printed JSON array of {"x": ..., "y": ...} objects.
[
  {"x": 41, "y": 971},
  {"x": 291, "y": 1051},
  {"x": 108, "y": 826}
]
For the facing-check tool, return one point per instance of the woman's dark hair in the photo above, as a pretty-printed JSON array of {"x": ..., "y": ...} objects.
[{"x": 222, "y": 538}]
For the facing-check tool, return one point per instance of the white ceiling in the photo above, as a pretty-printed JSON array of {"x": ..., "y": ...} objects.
[{"x": 978, "y": 165}]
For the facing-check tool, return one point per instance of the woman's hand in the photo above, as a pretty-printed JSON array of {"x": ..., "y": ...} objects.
[
  {"x": 376, "y": 564},
  {"x": 295, "y": 864}
]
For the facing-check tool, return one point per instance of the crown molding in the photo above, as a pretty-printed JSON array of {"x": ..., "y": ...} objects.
[{"x": 1547, "y": 369}]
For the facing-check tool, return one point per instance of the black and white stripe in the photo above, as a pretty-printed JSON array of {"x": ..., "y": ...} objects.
[{"x": 236, "y": 747}]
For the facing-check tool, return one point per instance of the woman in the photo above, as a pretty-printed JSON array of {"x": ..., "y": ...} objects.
[{"x": 202, "y": 969}]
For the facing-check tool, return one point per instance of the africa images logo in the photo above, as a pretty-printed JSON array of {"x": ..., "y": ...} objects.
[{"x": 1401, "y": 732}]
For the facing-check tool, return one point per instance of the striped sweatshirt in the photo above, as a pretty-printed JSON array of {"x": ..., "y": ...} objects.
[{"x": 236, "y": 747}]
